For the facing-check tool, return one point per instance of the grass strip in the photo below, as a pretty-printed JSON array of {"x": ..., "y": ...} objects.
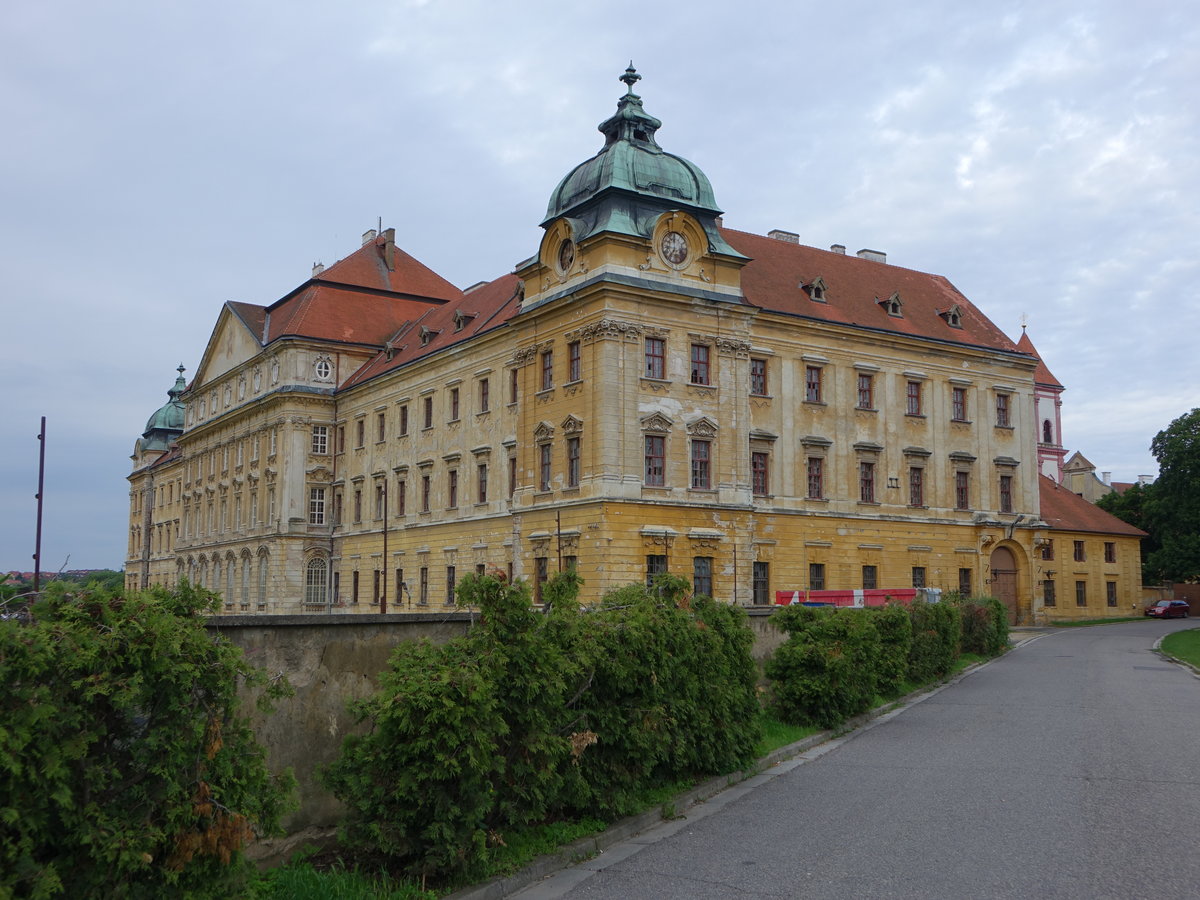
[{"x": 1183, "y": 645}]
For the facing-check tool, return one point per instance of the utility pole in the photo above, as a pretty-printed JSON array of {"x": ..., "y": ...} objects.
[{"x": 37, "y": 547}]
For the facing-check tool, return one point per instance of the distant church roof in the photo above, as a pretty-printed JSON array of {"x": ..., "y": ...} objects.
[{"x": 1041, "y": 375}]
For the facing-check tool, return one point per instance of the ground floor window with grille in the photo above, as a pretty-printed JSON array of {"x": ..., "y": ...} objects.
[
  {"x": 423, "y": 590},
  {"x": 702, "y": 583},
  {"x": 762, "y": 583},
  {"x": 656, "y": 564},
  {"x": 354, "y": 586},
  {"x": 816, "y": 576},
  {"x": 1049, "y": 597},
  {"x": 870, "y": 578},
  {"x": 918, "y": 576},
  {"x": 1110, "y": 593},
  {"x": 1081, "y": 593},
  {"x": 964, "y": 582},
  {"x": 541, "y": 574},
  {"x": 450, "y": 580}
]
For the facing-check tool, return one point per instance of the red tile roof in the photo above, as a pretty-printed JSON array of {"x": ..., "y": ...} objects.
[
  {"x": 382, "y": 266},
  {"x": 484, "y": 308},
  {"x": 349, "y": 315},
  {"x": 779, "y": 270},
  {"x": 1066, "y": 511},
  {"x": 1041, "y": 375}
]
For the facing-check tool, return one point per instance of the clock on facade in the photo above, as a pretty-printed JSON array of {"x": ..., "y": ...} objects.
[{"x": 674, "y": 248}]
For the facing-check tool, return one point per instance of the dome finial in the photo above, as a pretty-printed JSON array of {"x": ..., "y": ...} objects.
[{"x": 631, "y": 77}]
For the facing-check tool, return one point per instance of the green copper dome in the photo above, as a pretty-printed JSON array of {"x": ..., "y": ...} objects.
[
  {"x": 167, "y": 422},
  {"x": 627, "y": 185}
]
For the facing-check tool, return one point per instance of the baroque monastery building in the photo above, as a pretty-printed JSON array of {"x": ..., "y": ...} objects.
[{"x": 649, "y": 392}]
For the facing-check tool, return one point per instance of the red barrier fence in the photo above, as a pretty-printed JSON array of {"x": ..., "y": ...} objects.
[{"x": 873, "y": 597}]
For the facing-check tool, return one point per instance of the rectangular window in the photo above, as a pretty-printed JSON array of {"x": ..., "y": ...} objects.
[
  {"x": 541, "y": 574},
  {"x": 341, "y": 439},
  {"x": 425, "y": 489},
  {"x": 700, "y": 369},
  {"x": 452, "y": 488},
  {"x": 1081, "y": 593},
  {"x": 423, "y": 588},
  {"x": 761, "y": 583},
  {"x": 547, "y": 370},
  {"x": 866, "y": 390},
  {"x": 655, "y": 462},
  {"x": 1110, "y": 552},
  {"x": 701, "y": 473},
  {"x": 1002, "y": 410},
  {"x": 816, "y": 576},
  {"x": 656, "y": 364},
  {"x": 316, "y": 506},
  {"x": 450, "y": 582},
  {"x": 918, "y": 576},
  {"x": 1049, "y": 597},
  {"x": 380, "y": 427},
  {"x": 360, "y": 432},
  {"x": 702, "y": 582},
  {"x": 1080, "y": 553},
  {"x": 380, "y": 497},
  {"x": 512, "y": 476},
  {"x": 812, "y": 384},
  {"x": 1006, "y": 503},
  {"x": 912, "y": 394},
  {"x": 656, "y": 564},
  {"x": 866, "y": 482},
  {"x": 401, "y": 496},
  {"x": 513, "y": 380},
  {"x": 400, "y": 586},
  {"x": 544, "y": 467},
  {"x": 959, "y": 404},
  {"x": 320, "y": 439},
  {"x": 454, "y": 404},
  {"x": 375, "y": 583},
  {"x": 916, "y": 486},
  {"x": 485, "y": 395},
  {"x": 759, "y": 474},
  {"x": 481, "y": 473},
  {"x": 1048, "y": 549},
  {"x": 358, "y": 505},
  {"x": 573, "y": 462},
  {"x": 816, "y": 478},
  {"x": 404, "y": 420},
  {"x": 574, "y": 361},
  {"x": 964, "y": 582},
  {"x": 870, "y": 578},
  {"x": 354, "y": 586},
  {"x": 570, "y": 563},
  {"x": 758, "y": 377},
  {"x": 428, "y": 409},
  {"x": 962, "y": 490},
  {"x": 1110, "y": 593}
]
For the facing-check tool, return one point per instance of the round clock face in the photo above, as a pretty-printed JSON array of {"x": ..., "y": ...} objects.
[
  {"x": 674, "y": 248},
  {"x": 566, "y": 255}
]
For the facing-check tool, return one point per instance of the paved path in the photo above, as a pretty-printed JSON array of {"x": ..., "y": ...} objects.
[{"x": 1068, "y": 768}]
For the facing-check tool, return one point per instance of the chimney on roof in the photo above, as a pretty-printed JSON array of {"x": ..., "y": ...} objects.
[
  {"x": 318, "y": 268},
  {"x": 787, "y": 237},
  {"x": 1106, "y": 477},
  {"x": 388, "y": 250},
  {"x": 873, "y": 255},
  {"x": 368, "y": 236},
  {"x": 838, "y": 248},
  {"x": 1145, "y": 479}
]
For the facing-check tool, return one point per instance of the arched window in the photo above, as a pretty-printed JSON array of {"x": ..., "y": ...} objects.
[
  {"x": 1047, "y": 432},
  {"x": 315, "y": 582},
  {"x": 246, "y": 580},
  {"x": 262, "y": 580}
]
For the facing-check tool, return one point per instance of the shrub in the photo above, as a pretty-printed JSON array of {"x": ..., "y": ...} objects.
[
  {"x": 936, "y": 632},
  {"x": 984, "y": 626},
  {"x": 828, "y": 668},
  {"x": 894, "y": 625},
  {"x": 125, "y": 767}
]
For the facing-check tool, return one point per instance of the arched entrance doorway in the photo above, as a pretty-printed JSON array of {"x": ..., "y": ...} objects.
[{"x": 1004, "y": 581}]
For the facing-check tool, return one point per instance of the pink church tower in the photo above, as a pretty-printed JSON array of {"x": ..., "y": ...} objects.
[{"x": 1047, "y": 398}]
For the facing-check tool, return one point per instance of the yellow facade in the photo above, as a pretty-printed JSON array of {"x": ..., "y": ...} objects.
[{"x": 651, "y": 392}]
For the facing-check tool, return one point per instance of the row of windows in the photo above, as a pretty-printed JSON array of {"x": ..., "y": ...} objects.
[
  {"x": 213, "y": 517},
  {"x": 870, "y": 578},
  {"x": 237, "y": 581},
  {"x": 217, "y": 459},
  {"x": 1079, "y": 551},
  {"x": 1050, "y": 593}
]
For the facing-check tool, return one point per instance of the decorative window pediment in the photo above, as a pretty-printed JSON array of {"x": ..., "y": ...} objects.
[
  {"x": 703, "y": 427},
  {"x": 656, "y": 423},
  {"x": 815, "y": 289},
  {"x": 543, "y": 432},
  {"x": 892, "y": 305},
  {"x": 953, "y": 316},
  {"x": 572, "y": 425}
]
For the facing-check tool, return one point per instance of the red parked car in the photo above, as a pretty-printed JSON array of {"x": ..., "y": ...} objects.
[{"x": 1169, "y": 609}]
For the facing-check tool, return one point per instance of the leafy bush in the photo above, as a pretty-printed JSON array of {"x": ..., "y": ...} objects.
[
  {"x": 828, "y": 669},
  {"x": 936, "y": 632},
  {"x": 984, "y": 626},
  {"x": 534, "y": 716},
  {"x": 125, "y": 768},
  {"x": 895, "y": 643}
]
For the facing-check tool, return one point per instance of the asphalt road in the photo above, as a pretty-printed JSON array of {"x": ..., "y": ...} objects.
[{"x": 1068, "y": 768}]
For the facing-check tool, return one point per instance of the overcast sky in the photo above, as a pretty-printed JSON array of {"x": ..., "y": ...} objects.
[{"x": 161, "y": 158}]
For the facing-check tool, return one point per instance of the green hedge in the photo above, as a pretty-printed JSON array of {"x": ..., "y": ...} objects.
[
  {"x": 936, "y": 632},
  {"x": 537, "y": 715}
]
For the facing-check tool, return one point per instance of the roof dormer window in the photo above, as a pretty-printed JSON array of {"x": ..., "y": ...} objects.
[
  {"x": 953, "y": 316},
  {"x": 427, "y": 334},
  {"x": 815, "y": 289},
  {"x": 461, "y": 319},
  {"x": 893, "y": 305}
]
